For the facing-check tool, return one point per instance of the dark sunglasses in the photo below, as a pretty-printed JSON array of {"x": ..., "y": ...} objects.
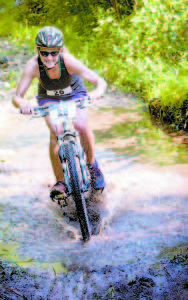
[{"x": 46, "y": 53}]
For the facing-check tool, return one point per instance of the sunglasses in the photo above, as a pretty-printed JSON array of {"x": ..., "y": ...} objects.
[{"x": 46, "y": 53}]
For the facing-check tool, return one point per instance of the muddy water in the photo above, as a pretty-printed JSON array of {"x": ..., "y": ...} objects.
[{"x": 140, "y": 217}]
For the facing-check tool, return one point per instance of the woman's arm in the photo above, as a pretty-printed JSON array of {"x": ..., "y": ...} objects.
[
  {"x": 25, "y": 82},
  {"x": 73, "y": 65}
]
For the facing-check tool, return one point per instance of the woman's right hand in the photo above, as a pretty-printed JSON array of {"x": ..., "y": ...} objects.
[{"x": 26, "y": 109}]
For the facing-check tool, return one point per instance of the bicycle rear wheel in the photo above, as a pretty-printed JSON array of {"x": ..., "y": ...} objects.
[{"x": 77, "y": 195}]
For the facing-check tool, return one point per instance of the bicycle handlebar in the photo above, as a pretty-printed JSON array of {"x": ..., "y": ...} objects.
[
  {"x": 42, "y": 111},
  {"x": 45, "y": 110}
]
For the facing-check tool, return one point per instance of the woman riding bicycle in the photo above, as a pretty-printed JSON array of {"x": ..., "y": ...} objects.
[{"x": 59, "y": 74}]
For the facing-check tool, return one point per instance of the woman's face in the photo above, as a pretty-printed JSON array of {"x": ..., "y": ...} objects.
[{"x": 49, "y": 56}]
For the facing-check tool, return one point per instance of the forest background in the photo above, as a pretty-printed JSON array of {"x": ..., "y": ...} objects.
[{"x": 139, "y": 46}]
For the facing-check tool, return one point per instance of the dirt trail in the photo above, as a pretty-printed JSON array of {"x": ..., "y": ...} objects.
[{"x": 140, "y": 252}]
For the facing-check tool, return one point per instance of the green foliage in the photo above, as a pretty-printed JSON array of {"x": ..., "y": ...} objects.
[
  {"x": 81, "y": 14},
  {"x": 172, "y": 87},
  {"x": 24, "y": 35},
  {"x": 6, "y": 24},
  {"x": 143, "y": 52},
  {"x": 158, "y": 29},
  {"x": 32, "y": 11},
  {"x": 6, "y": 17},
  {"x": 5, "y": 4}
]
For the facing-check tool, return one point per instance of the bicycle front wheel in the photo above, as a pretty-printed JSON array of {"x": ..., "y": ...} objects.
[{"x": 77, "y": 195}]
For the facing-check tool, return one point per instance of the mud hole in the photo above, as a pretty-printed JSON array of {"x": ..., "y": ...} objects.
[{"x": 170, "y": 281}]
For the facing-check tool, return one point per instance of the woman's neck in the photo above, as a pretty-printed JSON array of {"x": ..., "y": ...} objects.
[{"x": 53, "y": 73}]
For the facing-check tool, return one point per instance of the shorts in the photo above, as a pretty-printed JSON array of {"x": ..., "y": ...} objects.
[{"x": 79, "y": 94}]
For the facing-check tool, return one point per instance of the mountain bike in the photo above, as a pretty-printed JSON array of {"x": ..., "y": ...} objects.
[{"x": 72, "y": 157}]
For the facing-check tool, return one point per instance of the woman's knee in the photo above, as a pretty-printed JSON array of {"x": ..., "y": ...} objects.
[
  {"x": 81, "y": 127},
  {"x": 81, "y": 123}
]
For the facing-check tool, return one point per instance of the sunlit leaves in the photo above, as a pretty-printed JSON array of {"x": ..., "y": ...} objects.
[{"x": 6, "y": 3}]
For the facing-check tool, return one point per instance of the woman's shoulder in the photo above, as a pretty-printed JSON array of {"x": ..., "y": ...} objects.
[{"x": 33, "y": 61}]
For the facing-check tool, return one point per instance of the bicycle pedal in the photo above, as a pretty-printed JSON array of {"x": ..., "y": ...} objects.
[
  {"x": 61, "y": 200},
  {"x": 60, "y": 196}
]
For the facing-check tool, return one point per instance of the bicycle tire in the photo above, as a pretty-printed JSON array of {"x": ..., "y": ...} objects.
[{"x": 78, "y": 197}]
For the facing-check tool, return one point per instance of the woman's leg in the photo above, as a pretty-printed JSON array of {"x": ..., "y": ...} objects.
[
  {"x": 86, "y": 134},
  {"x": 54, "y": 157},
  {"x": 53, "y": 151}
]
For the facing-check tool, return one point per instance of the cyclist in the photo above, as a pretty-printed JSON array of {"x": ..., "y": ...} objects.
[{"x": 59, "y": 74}]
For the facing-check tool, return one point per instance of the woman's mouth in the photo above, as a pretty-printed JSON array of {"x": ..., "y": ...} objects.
[{"x": 50, "y": 63}]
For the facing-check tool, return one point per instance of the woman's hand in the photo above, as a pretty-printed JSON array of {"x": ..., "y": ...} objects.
[{"x": 26, "y": 109}]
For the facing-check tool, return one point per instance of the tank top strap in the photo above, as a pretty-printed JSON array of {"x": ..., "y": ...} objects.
[{"x": 63, "y": 68}]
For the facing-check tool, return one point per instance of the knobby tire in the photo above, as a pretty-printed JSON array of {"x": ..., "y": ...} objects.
[{"x": 77, "y": 195}]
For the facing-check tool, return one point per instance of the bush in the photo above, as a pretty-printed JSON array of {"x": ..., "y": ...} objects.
[
  {"x": 158, "y": 29},
  {"x": 34, "y": 12},
  {"x": 172, "y": 87},
  {"x": 145, "y": 53}
]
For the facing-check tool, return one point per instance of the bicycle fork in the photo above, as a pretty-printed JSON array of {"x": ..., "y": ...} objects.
[{"x": 80, "y": 155}]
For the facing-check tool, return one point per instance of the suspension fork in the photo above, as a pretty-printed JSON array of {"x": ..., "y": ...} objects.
[
  {"x": 79, "y": 153},
  {"x": 82, "y": 163}
]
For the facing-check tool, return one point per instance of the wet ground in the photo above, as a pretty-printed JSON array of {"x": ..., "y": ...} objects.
[{"x": 140, "y": 251}]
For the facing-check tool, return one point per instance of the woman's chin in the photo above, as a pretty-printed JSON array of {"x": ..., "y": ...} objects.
[{"x": 50, "y": 65}]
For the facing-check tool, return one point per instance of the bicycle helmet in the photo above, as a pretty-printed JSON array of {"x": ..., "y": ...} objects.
[{"x": 49, "y": 37}]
